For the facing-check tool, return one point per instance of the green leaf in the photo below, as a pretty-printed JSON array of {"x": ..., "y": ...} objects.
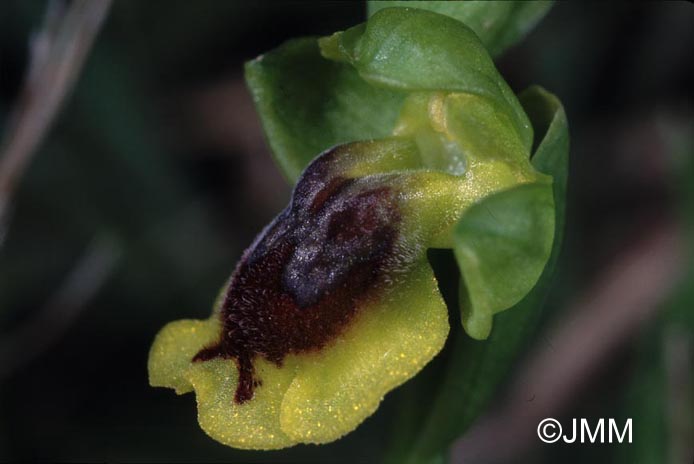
[
  {"x": 475, "y": 369},
  {"x": 502, "y": 253},
  {"x": 499, "y": 24},
  {"x": 308, "y": 104}
]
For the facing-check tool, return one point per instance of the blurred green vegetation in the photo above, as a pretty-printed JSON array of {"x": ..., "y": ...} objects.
[{"x": 131, "y": 159}]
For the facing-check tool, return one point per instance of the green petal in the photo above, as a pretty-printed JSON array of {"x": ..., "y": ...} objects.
[
  {"x": 336, "y": 389},
  {"x": 502, "y": 244},
  {"x": 463, "y": 133}
]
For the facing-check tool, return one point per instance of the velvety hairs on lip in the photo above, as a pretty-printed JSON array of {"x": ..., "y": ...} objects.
[{"x": 301, "y": 282}]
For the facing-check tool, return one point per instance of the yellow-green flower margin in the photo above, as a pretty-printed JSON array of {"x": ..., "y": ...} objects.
[{"x": 314, "y": 398}]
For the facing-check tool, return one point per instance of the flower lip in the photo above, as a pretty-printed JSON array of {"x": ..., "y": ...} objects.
[{"x": 304, "y": 279}]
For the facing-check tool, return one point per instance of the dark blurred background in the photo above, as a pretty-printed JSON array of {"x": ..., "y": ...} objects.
[{"x": 155, "y": 177}]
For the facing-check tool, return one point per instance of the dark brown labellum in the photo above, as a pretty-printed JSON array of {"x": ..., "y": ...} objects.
[{"x": 305, "y": 277}]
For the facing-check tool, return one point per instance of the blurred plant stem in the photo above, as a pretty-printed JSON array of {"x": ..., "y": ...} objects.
[
  {"x": 57, "y": 53},
  {"x": 46, "y": 326}
]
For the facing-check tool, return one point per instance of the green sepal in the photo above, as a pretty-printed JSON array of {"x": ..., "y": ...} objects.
[
  {"x": 499, "y": 24},
  {"x": 502, "y": 244},
  {"x": 308, "y": 104}
]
